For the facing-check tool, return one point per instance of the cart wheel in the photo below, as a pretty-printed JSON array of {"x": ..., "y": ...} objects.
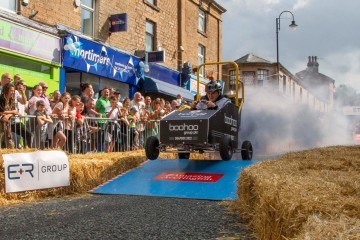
[
  {"x": 225, "y": 148},
  {"x": 152, "y": 148},
  {"x": 246, "y": 150},
  {"x": 184, "y": 155}
]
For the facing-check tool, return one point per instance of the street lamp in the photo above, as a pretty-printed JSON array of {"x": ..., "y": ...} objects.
[{"x": 292, "y": 26}]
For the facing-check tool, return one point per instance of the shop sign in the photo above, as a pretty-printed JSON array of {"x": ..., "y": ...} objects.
[
  {"x": 91, "y": 57},
  {"x": 17, "y": 38},
  {"x": 118, "y": 22}
]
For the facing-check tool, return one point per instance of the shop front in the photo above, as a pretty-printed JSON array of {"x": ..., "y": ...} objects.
[
  {"x": 85, "y": 61},
  {"x": 33, "y": 54}
]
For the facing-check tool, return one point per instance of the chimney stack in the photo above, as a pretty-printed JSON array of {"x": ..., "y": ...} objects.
[{"x": 313, "y": 65}]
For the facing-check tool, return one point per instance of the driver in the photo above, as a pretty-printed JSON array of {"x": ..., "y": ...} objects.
[{"x": 214, "y": 99}]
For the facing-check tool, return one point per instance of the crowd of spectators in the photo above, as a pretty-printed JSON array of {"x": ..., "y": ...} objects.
[{"x": 77, "y": 123}]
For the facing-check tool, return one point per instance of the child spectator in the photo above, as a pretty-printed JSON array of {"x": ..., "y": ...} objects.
[
  {"x": 134, "y": 134},
  {"x": 82, "y": 130},
  {"x": 41, "y": 124},
  {"x": 112, "y": 127}
]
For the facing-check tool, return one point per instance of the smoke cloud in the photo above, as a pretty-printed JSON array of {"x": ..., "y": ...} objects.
[{"x": 276, "y": 124}]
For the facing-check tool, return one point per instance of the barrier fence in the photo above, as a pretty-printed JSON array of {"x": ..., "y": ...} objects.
[{"x": 93, "y": 135}]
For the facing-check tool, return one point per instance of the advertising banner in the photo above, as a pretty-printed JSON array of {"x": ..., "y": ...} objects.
[
  {"x": 32, "y": 43},
  {"x": 95, "y": 58},
  {"x": 36, "y": 170}
]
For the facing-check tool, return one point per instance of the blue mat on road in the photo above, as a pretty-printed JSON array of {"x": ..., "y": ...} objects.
[{"x": 199, "y": 179}]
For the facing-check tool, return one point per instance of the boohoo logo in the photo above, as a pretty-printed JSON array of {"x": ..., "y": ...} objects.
[
  {"x": 230, "y": 121},
  {"x": 183, "y": 127}
]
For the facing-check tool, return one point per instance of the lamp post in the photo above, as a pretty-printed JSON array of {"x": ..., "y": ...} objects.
[{"x": 292, "y": 26}]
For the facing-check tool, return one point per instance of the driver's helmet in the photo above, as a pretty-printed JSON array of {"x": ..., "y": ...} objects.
[{"x": 213, "y": 86}]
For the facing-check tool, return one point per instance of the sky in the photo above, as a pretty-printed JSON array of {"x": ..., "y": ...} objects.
[{"x": 328, "y": 29}]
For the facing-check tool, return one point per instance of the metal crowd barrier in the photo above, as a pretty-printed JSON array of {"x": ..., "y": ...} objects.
[{"x": 94, "y": 135}]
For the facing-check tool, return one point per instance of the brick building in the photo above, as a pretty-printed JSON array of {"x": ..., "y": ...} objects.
[{"x": 187, "y": 31}]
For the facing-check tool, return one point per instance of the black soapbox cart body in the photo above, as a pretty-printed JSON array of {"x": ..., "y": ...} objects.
[{"x": 201, "y": 131}]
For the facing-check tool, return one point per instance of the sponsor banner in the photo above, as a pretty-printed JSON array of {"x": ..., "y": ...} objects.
[
  {"x": 189, "y": 176},
  {"x": 36, "y": 170},
  {"x": 95, "y": 58},
  {"x": 32, "y": 43}
]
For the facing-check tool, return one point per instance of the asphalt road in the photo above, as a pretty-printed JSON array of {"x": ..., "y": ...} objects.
[{"x": 120, "y": 217}]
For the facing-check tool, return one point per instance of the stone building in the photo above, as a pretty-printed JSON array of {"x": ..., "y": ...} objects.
[
  {"x": 187, "y": 31},
  {"x": 308, "y": 86}
]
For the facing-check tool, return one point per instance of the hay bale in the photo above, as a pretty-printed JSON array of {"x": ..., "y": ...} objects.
[{"x": 278, "y": 197}]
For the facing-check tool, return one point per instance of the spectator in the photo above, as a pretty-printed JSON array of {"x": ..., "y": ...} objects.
[
  {"x": 20, "y": 87},
  {"x": 174, "y": 105},
  {"x": 61, "y": 112},
  {"x": 5, "y": 79},
  {"x": 42, "y": 121},
  {"x": 70, "y": 122},
  {"x": 55, "y": 98},
  {"x": 117, "y": 94},
  {"x": 103, "y": 102},
  {"x": 179, "y": 99},
  {"x": 167, "y": 108},
  {"x": 87, "y": 91},
  {"x": 89, "y": 109},
  {"x": 127, "y": 103},
  {"x": 112, "y": 127},
  {"x": 37, "y": 91},
  {"x": 124, "y": 125},
  {"x": 83, "y": 130},
  {"x": 100, "y": 107},
  {"x": 134, "y": 135},
  {"x": 137, "y": 103},
  {"x": 7, "y": 110},
  {"x": 45, "y": 97},
  {"x": 17, "y": 78}
]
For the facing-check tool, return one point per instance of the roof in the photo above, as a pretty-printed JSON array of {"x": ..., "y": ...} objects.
[{"x": 251, "y": 58}]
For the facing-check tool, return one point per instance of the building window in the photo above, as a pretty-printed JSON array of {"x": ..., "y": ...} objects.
[
  {"x": 284, "y": 84},
  {"x": 232, "y": 79},
  {"x": 248, "y": 78},
  {"x": 201, "y": 58},
  {"x": 293, "y": 90},
  {"x": 262, "y": 77},
  {"x": 87, "y": 17},
  {"x": 149, "y": 35},
  {"x": 202, "y": 21},
  {"x": 9, "y": 4}
]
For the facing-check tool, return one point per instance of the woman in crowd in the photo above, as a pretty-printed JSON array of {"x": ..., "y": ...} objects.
[
  {"x": 127, "y": 103},
  {"x": 60, "y": 111},
  {"x": 55, "y": 98},
  {"x": 7, "y": 110},
  {"x": 70, "y": 122}
]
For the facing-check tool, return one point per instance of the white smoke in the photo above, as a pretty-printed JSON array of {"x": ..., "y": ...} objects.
[{"x": 277, "y": 124}]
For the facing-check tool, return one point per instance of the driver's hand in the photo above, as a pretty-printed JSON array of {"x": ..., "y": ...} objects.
[{"x": 210, "y": 104}]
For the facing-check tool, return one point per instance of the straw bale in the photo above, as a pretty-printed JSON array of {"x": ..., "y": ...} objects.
[
  {"x": 277, "y": 197},
  {"x": 319, "y": 227}
]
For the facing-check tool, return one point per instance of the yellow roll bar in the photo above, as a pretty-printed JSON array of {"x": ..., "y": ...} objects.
[{"x": 237, "y": 82}]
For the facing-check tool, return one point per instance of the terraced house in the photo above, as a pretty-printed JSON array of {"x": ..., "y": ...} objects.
[{"x": 131, "y": 45}]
